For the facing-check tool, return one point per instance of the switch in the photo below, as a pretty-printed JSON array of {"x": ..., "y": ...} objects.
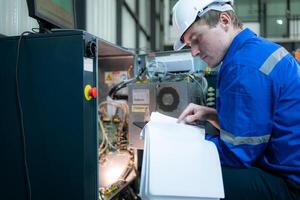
[
  {"x": 93, "y": 92},
  {"x": 90, "y": 92}
]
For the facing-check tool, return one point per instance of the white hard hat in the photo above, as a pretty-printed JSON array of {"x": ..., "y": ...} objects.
[{"x": 185, "y": 13}]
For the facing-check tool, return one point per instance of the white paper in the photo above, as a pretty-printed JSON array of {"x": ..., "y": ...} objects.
[{"x": 178, "y": 162}]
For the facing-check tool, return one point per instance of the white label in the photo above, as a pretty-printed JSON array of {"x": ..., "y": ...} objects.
[
  {"x": 140, "y": 96},
  {"x": 140, "y": 109},
  {"x": 88, "y": 64}
]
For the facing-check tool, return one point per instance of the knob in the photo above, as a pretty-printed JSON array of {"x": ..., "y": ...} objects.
[
  {"x": 93, "y": 92},
  {"x": 91, "y": 49},
  {"x": 90, "y": 92}
]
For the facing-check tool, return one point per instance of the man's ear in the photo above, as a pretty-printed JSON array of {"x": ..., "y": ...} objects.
[{"x": 225, "y": 21}]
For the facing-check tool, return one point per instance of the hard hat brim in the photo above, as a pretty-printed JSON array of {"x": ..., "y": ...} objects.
[{"x": 178, "y": 45}]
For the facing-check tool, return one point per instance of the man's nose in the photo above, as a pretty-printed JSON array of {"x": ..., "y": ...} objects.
[{"x": 195, "y": 51}]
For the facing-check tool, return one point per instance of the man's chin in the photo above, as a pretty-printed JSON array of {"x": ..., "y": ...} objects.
[
  {"x": 211, "y": 64},
  {"x": 214, "y": 65}
]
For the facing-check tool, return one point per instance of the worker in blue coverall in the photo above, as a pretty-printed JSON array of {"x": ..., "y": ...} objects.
[{"x": 258, "y": 101}]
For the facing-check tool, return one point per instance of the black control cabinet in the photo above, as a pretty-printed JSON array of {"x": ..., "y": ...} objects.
[{"x": 60, "y": 124}]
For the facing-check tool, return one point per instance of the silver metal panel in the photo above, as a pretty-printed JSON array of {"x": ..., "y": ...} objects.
[
  {"x": 107, "y": 49},
  {"x": 136, "y": 113},
  {"x": 169, "y": 98},
  {"x": 112, "y": 58}
]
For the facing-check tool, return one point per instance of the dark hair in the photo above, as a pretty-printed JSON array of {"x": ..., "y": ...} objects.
[{"x": 212, "y": 17}]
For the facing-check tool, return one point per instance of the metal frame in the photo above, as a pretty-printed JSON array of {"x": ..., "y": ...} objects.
[
  {"x": 155, "y": 16},
  {"x": 119, "y": 22},
  {"x": 288, "y": 15},
  {"x": 153, "y": 24},
  {"x": 81, "y": 14},
  {"x": 137, "y": 28},
  {"x": 262, "y": 13}
]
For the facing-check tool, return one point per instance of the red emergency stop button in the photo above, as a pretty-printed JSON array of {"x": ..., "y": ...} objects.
[
  {"x": 93, "y": 92},
  {"x": 90, "y": 92}
]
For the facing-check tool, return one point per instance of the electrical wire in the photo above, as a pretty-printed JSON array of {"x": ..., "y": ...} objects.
[
  {"x": 119, "y": 86},
  {"x": 34, "y": 30},
  {"x": 124, "y": 83},
  {"x": 104, "y": 139},
  {"x": 23, "y": 136},
  {"x": 203, "y": 86},
  {"x": 106, "y": 143}
]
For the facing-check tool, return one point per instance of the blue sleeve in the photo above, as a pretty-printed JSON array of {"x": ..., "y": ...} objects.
[{"x": 245, "y": 115}]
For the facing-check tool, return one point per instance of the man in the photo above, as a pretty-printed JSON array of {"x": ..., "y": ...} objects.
[{"x": 258, "y": 101}]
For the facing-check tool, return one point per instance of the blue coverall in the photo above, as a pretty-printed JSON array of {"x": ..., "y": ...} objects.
[{"x": 258, "y": 106}]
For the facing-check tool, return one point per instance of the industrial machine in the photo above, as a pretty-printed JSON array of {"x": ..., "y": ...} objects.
[
  {"x": 117, "y": 162},
  {"x": 57, "y": 141},
  {"x": 49, "y": 116},
  {"x": 48, "y": 121},
  {"x": 171, "y": 81},
  {"x": 132, "y": 87},
  {"x": 50, "y": 124}
]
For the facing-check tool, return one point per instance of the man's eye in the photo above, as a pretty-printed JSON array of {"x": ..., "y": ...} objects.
[{"x": 194, "y": 42}]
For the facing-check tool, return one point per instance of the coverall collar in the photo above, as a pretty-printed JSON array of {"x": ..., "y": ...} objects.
[{"x": 237, "y": 43}]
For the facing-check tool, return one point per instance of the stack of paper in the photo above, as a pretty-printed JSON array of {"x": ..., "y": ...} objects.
[{"x": 178, "y": 162}]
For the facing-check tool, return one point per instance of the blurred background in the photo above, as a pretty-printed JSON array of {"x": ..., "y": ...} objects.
[{"x": 145, "y": 25}]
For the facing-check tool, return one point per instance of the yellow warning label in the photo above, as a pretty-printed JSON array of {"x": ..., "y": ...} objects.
[
  {"x": 139, "y": 108},
  {"x": 108, "y": 77}
]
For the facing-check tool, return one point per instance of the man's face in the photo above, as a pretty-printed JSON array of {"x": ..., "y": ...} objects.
[{"x": 209, "y": 43}]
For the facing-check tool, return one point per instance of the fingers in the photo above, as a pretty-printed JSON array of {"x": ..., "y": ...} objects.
[
  {"x": 191, "y": 118},
  {"x": 188, "y": 111}
]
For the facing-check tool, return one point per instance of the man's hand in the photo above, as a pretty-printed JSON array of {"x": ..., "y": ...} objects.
[{"x": 195, "y": 112}]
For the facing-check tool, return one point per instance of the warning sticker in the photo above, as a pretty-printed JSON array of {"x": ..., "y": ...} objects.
[
  {"x": 108, "y": 78},
  {"x": 115, "y": 77}
]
